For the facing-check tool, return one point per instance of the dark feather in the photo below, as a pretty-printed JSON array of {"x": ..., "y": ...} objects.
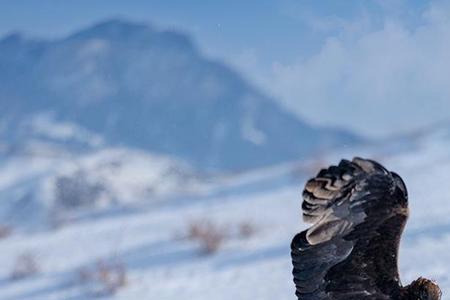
[{"x": 358, "y": 210}]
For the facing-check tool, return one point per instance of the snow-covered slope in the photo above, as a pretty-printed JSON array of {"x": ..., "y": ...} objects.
[
  {"x": 150, "y": 240},
  {"x": 40, "y": 186}
]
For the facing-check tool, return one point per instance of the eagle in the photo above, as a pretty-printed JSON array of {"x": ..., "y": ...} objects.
[{"x": 358, "y": 210}]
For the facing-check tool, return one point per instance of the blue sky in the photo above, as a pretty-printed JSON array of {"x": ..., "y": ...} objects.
[
  {"x": 275, "y": 29},
  {"x": 349, "y": 63}
]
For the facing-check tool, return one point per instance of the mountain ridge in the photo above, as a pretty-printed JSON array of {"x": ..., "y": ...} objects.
[{"x": 151, "y": 89}]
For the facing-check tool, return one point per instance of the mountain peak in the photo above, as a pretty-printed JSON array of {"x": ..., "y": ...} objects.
[
  {"x": 114, "y": 28},
  {"x": 139, "y": 87},
  {"x": 120, "y": 24}
]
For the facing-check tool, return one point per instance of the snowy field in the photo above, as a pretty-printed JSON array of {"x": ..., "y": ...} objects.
[{"x": 151, "y": 242}]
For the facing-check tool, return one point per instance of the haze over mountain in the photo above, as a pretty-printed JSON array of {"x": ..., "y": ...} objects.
[{"x": 125, "y": 84}]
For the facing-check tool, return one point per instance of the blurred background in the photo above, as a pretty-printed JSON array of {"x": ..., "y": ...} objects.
[{"x": 152, "y": 149}]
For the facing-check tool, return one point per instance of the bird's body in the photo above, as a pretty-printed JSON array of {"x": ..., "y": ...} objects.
[{"x": 358, "y": 210}]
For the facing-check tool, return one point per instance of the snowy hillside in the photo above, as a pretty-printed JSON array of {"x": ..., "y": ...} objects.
[
  {"x": 154, "y": 252},
  {"x": 44, "y": 187}
]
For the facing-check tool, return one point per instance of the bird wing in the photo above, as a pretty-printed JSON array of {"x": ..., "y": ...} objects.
[{"x": 358, "y": 210}]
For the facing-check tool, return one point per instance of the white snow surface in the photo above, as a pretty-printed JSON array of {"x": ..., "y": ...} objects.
[
  {"x": 28, "y": 182},
  {"x": 149, "y": 238}
]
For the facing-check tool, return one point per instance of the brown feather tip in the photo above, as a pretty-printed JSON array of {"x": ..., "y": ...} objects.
[{"x": 425, "y": 289}]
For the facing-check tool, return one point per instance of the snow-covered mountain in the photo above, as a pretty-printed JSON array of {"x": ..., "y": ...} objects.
[{"x": 131, "y": 85}]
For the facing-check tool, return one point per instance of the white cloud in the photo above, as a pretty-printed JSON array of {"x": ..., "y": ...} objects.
[{"x": 379, "y": 80}]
